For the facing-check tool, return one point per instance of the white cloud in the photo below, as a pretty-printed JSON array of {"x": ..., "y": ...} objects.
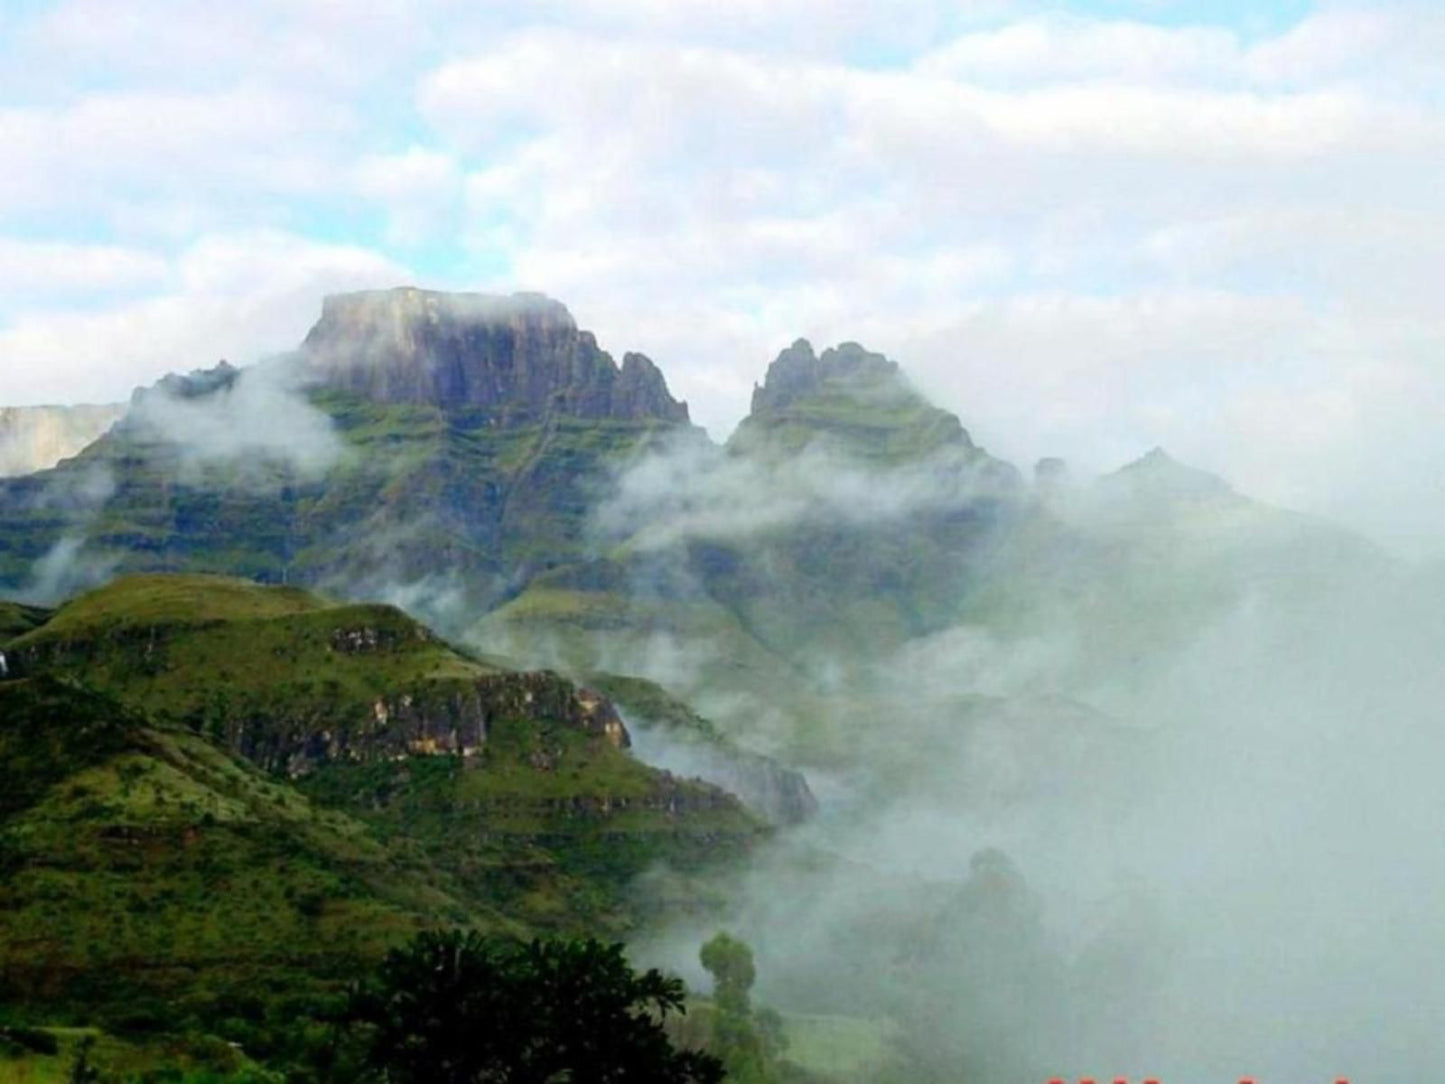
[
  {"x": 1084, "y": 234},
  {"x": 418, "y": 188},
  {"x": 44, "y": 269},
  {"x": 236, "y": 297}
]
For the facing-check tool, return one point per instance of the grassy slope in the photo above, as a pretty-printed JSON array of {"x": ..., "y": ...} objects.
[
  {"x": 546, "y": 821},
  {"x": 201, "y": 650},
  {"x": 17, "y": 619},
  {"x": 188, "y": 1060},
  {"x": 144, "y": 865},
  {"x": 751, "y": 628},
  {"x": 415, "y": 490}
]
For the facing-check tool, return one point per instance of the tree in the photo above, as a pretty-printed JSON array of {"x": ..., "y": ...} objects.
[
  {"x": 734, "y": 1036},
  {"x": 730, "y": 962},
  {"x": 456, "y": 1008}
]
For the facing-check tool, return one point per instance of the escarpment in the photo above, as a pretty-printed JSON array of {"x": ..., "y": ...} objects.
[{"x": 520, "y": 357}]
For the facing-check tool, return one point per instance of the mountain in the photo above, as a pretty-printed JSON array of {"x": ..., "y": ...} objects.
[
  {"x": 850, "y": 400},
  {"x": 520, "y": 357},
  {"x": 37, "y": 438},
  {"x": 442, "y": 446},
  {"x": 846, "y": 516},
  {"x": 518, "y": 787},
  {"x": 480, "y": 461},
  {"x": 147, "y": 873}
]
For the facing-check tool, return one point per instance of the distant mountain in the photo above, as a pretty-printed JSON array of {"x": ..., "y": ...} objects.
[
  {"x": 846, "y": 516},
  {"x": 520, "y": 357},
  {"x": 440, "y": 445},
  {"x": 480, "y": 461},
  {"x": 857, "y": 402},
  {"x": 37, "y": 438}
]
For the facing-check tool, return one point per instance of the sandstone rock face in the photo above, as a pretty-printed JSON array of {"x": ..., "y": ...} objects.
[
  {"x": 522, "y": 356},
  {"x": 37, "y": 438}
]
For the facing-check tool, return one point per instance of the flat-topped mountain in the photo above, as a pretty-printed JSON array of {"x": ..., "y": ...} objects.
[
  {"x": 519, "y": 355},
  {"x": 37, "y": 438}
]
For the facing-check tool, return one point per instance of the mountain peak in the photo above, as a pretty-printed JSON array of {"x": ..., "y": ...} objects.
[
  {"x": 798, "y": 373},
  {"x": 1157, "y": 475},
  {"x": 851, "y": 398},
  {"x": 520, "y": 354}
]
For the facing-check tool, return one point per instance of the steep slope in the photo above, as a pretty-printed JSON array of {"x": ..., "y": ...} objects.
[
  {"x": 520, "y": 356},
  {"x": 148, "y": 872},
  {"x": 1160, "y": 552},
  {"x": 670, "y": 734},
  {"x": 847, "y": 516},
  {"x": 851, "y": 401},
  {"x": 37, "y": 438},
  {"x": 519, "y": 787},
  {"x": 431, "y": 437}
]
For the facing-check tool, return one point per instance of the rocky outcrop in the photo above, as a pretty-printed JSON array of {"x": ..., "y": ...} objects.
[
  {"x": 852, "y": 399},
  {"x": 777, "y": 794},
  {"x": 435, "y": 718},
  {"x": 798, "y": 374},
  {"x": 520, "y": 357},
  {"x": 37, "y": 438}
]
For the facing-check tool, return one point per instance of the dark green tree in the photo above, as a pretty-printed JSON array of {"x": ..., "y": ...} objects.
[
  {"x": 735, "y": 1037},
  {"x": 456, "y": 1008}
]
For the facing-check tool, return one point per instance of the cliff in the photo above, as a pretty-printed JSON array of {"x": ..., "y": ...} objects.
[
  {"x": 850, "y": 400},
  {"x": 521, "y": 357},
  {"x": 37, "y": 438}
]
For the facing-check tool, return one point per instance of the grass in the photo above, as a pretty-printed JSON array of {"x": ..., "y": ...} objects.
[
  {"x": 171, "y": 1060},
  {"x": 150, "y": 878},
  {"x": 843, "y": 1049},
  {"x": 140, "y": 835}
]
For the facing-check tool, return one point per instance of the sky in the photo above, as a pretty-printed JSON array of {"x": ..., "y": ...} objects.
[{"x": 1087, "y": 228}]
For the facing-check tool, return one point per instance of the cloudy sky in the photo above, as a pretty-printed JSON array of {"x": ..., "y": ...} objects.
[{"x": 1088, "y": 228}]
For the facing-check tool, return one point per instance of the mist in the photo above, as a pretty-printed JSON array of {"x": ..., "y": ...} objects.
[
  {"x": 248, "y": 422},
  {"x": 1207, "y": 857}
]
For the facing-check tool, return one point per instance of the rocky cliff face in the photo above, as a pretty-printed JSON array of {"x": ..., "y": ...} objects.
[
  {"x": 798, "y": 374},
  {"x": 850, "y": 398},
  {"x": 522, "y": 357},
  {"x": 37, "y": 438},
  {"x": 441, "y": 718}
]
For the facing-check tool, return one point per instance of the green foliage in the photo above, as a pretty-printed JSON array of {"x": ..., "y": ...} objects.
[
  {"x": 81, "y": 1071},
  {"x": 750, "y": 1043},
  {"x": 148, "y": 876},
  {"x": 730, "y": 963},
  {"x": 454, "y": 1008}
]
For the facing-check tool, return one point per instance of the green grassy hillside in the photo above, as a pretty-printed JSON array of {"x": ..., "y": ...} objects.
[
  {"x": 150, "y": 878},
  {"x": 415, "y": 490},
  {"x": 518, "y": 787}
]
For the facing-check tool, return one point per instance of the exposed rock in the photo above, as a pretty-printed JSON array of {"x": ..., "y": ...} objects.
[
  {"x": 436, "y": 718},
  {"x": 37, "y": 438},
  {"x": 522, "y": 357},
  {"x": 196, "y": 384},
  {"x": 797, "y": 374},
  {"x": 779, "y": 795},
  {"x": 670, "y": 735}
]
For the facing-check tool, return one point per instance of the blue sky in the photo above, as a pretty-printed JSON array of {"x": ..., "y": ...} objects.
[{"x": 1088, "y": 228}]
